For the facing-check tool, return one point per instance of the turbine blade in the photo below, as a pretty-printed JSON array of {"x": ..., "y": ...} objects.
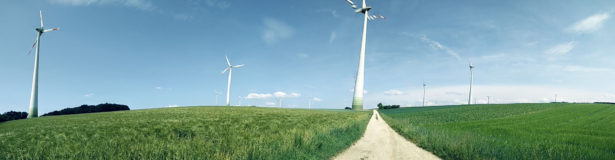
[
  {"x": 224, "y": 71},
  {"x": 33, "y": 45},
  {"x": 41, "y": 13},
  {"x": 227, "y": 61},
  {"x": 237, "y": 66},
  {"x": 49, "y": 30}
]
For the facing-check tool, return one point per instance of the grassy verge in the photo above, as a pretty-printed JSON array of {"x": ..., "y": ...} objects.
[
  {"x": 510, "y": 131},
  {"x": 185, "y": 133}
]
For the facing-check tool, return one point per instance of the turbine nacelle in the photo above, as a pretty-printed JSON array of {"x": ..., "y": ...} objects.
[{"x": 363, "y": 10}]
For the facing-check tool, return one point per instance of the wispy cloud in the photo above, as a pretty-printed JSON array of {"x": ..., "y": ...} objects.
[
  {"x": 303, "y": 55},
  {"x": 332, "y": 37},
  {"x": 222, "y": 4},
  {"x": 561, "y": 49},
  {"x": 438, "y": 46},
  {"x": 276, "y": 30},
  {"x": 317, "y": 99},
  {"x": 89, "y": 95},
  {"x": 173, "y": 105},
  {"x": 393, "y": 92},
  {"x": 586, "y": 69},
  {"x": 590, "y": 24},
  {"x": 139, "y": 4},
  {"x": 259, "y": 96}
]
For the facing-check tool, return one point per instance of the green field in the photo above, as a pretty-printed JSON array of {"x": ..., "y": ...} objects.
[
  {"x": 185, "y": 133},
  {"x": 510, "y": 131}
]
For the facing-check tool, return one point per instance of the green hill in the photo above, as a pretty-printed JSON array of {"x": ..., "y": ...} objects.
[
  {"x": 185, "y": 133},
  {"x": 510, "y": 131}
]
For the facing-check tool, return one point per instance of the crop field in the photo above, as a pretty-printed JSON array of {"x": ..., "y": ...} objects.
[
  {"x": 185, "y": 133},
  {"x": 510, "y": 131}
]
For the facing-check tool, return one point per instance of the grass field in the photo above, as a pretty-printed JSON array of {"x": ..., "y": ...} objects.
[
  {"x": 510, "y": 131},
  {"x": 185, "y": 133}
]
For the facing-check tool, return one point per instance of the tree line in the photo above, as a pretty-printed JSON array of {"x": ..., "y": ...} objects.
[{"x": 104, "y": 107}]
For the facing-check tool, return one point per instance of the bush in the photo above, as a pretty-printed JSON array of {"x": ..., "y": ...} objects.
[
  {"x": 380, "y": 106},
  {"x": 12, "y": 115},
  {"x": 105, "y": 107},
  {"x": 347, "y": 108}
]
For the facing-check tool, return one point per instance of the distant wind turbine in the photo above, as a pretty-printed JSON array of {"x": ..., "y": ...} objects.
[
  {"x": 33, "y": 111},
  {"x": 229, "y": 68},
  {"x": 217, "y": 94},
  {"x": 471, "y": 81},
  {"x": 357, "y": 101},
  {"x": 488, "y": 98},
  {"x": 424, "y": 86}
]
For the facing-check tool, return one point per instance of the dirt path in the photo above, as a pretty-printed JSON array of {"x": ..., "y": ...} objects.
[{"x": 381, "y": 142}]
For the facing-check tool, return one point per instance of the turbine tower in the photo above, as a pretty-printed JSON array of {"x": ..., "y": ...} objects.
[
  {"x": 471, "y": 81},
  {"x": 33, "y": 111},
  {"x": 229, "y": 68},
  {"x": 424, "y": 86},
  {"x": 217, "y": 94},
  {"x": 357, "y": 101}
]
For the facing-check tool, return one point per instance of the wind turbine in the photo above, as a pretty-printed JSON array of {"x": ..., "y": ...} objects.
[
  {"x": 357, "y": 101},
  {"x": 33, "y": 111},
  {"x": 217, "y": 94},
  {"x": 471, "y": 81},
  {"x": 424, "y": 86},
  {"x": 229, "y": 68},
  {"x": 488, "y": 97}
]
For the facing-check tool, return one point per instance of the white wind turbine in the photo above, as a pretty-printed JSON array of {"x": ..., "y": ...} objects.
[
  {"x": 357, "y": 101},
  {"x": 217, "y": 94},
  {"x": 33, "y": 111},
  {"x": 471, "y": 81},
  {"x": 424, "y": 90},
  {"x": 229, "y": 68}
]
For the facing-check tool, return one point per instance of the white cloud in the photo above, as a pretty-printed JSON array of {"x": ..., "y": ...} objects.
[
  {"x": 317, "y": 99},
  {"x": 590, "y": 24},
  {"x": 561, "y": 49},
  {"x": 275, "y": 31},
  {"x": 89, "y": 95},
  {"x": 280, "y": 94},
  {"x": 173, "y": 105},
  {"x": 332, "y": 37},
  {"x": 294, "y": 95},
  {"x": 270, "y": 103},
  {"x": 436, "y": 45},
  {"x": 158, "y": 88},
  {"x": 139, "y": 4},
  {"x": 393, "y": 92},
  {"x": 258, "y": 96}
]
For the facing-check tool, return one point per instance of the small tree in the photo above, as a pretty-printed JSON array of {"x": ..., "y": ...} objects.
[{"x": 379, "y": 105}]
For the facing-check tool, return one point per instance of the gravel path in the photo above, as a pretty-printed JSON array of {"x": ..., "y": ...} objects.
[{"x": 381, "y": 142}]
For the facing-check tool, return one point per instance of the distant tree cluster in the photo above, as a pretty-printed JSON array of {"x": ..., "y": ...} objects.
[
  {"x": 12, "y": 115},
  {"x": 105, "y": 107},
  {"x": 380, "y": 106}
]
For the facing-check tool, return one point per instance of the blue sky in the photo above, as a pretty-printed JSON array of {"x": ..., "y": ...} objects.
[{"x": 150, "y": 53}]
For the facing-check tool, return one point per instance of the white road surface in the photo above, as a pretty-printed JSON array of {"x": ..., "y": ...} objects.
[{"x": 381, "y": 142}]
